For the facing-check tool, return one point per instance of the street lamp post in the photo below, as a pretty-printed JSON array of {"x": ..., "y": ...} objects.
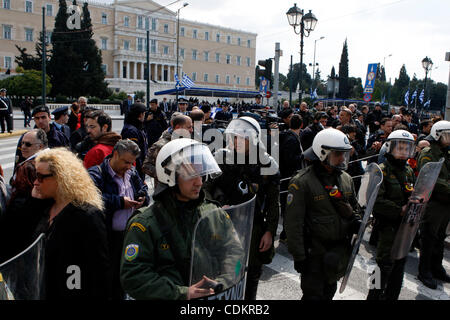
[
  {"x": 427, "y": 64},
  {"x": 178, "y": 44},
  {"x": 306, "y": 23},
  {"x": 314, "y": 61}
]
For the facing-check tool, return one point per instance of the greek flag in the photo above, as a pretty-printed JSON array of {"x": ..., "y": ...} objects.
[
  {"x": 177, "y": 80},
  {"x": 314, "y": 95},
  {"x": 414, "y": 95},
  {"x": 187, "y": 82},
  {"x": 422, "y": 95},
  {"x": 407, "y": 97},
  {"x": 427, "y": 104},
  {"x": 383, "y": 99}
]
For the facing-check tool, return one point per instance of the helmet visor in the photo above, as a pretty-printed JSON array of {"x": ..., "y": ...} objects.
[
  {"x": 401, "y": 149},
  {"x": 196, "y": 161},
  {"x": 242, "y": 129},
  {"x": 445, "y": 138},
  {"x": 338, "y": 159}
]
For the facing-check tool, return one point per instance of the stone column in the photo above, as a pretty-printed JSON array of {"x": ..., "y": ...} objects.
[{"x": 120, "y": 69}]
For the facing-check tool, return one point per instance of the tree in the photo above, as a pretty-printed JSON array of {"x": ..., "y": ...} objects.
[
  {"x": 400, "y": 87},
  {"x": 344, "y": 89},
  {"x": 30, "y": 62},
  {"x": 27, "y": 84},
  {"x": 293, "y": 78}
]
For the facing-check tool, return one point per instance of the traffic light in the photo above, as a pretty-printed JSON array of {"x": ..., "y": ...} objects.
[{"x": 267, "y": 72}]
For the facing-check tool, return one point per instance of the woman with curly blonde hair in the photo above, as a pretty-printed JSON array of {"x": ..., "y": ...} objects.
[{"x": 76, "y": 252}]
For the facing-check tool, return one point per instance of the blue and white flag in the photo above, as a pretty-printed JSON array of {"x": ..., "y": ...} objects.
[
  {"x": 314, "y": 95},
  {"x": 187, "y": 82},
  {"x": 427, "y": 104},
  {"x": 383, "y": 99},
  {"x": 407, "y": 97},
  {"x": 177, "y": 80},
  {"x": 414, "y": 95},
  {"x": 422, "y": 96}
]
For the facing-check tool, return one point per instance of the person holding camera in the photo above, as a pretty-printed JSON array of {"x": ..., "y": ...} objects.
[{"x": 123, "y": 191}]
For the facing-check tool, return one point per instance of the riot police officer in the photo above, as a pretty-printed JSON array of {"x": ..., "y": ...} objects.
[
  {"x": 437, "y": 215},
  {"x": 157, "y": 246},
  {"x": 390, "y": 206},
  {"x": 322, "y": 214},
  {"x": 249, "y": 171}
]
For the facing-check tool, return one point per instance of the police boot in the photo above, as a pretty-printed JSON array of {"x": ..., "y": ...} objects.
[
  {"x": 441, "y": 274},
  {"x": 426, "y": 251},
  {"x": 437, "y": 270},
  {"x": 251, "y": 288}
]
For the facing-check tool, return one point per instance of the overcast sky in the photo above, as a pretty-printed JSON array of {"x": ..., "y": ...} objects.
[{"x": 407, "y": 29}]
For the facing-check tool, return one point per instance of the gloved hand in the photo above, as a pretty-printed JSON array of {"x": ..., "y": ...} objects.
[
  {"x": 355, "y": 225},
  {"x": 300, "y": 266}
]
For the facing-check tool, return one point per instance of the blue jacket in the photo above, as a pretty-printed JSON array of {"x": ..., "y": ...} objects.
[{"x": 110, "y": 191}]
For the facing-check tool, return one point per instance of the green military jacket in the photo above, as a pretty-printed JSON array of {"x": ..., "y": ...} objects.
[
  {"x": 313, "y": 225},
  {"x": 394, "y": 192},
  {"x": 441, "y": 191},
  {"x": 156, "y": 258}
]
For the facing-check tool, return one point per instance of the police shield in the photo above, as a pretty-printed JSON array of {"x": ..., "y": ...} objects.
[
  {"x": 416, "y": 208},
  {"x": 220, "y": 250},
  {"x": 21, "y": 278},
  {"x": 370, "y": 184}
]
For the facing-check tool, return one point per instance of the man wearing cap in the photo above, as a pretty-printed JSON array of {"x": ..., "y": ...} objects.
[
  {"x": 6, "y": 111},
  {"x": 258, "y": 102},
  {"x": 224, "y": 114},
  {"x": 182, "y": 106},
  {"x": 155, "y": 122},
  {"x": 61, "y": 117}
]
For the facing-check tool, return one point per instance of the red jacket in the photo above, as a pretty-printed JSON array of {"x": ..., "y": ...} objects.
[{"x": 103, "y": 148}]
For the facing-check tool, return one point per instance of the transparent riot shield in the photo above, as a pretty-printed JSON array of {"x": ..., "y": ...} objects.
[
  {"x": 416, "y": 208},
  {"x": 21, "y": 278},
  {"x": 220, "y": 251},
  {"x": 370, "y": 184}
]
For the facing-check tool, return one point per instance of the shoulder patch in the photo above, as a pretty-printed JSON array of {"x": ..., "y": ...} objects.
[
  {"x": 138, "y": 225},
  {"x": 131, "y": 252},
  {"x": 293, "y": 185},
  {"x": 289, "y": 199}
]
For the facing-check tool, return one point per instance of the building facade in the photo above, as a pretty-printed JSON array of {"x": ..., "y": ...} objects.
[{"x": 212, "y": 56}]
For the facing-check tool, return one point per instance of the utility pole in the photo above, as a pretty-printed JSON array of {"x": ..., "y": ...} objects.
[
  {"x": 44, "y": 60},
  {"x": 276, "y": 77},
  {"x": 290, "y": 85},
  {"x": 147, "y": 71}
]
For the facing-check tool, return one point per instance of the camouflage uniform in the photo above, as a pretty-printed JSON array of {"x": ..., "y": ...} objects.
[{"x": 149, "y": 165}]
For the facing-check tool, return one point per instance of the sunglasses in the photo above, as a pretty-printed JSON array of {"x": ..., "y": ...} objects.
[
  {"x": 41, "y": 177},
  {"x": 28, "y": 144}
]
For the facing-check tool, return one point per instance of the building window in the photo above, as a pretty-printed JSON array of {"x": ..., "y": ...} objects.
[
  {"x": 249, "y": 62},
  {"x": 28, "y": 6},
  {"x": 126, "y": 21},
  {"x": 218, "y": 37},
  {"x": 205, "y": 77},
  {"x": 153, "y": 46},
  {"x": 8, "y": 62},
  {"x": 140, "y": 44},
  {"x": 194, "y": 76},
  {"x": 247, "y": 81},
  {"x": 7, "y": 4},
  {"x": 166, "y": 28},
  {"x": 218, "y": 57},
  {"x": 48, "y": 36},
  {"x": 229, "y": 39},
  {"x": 140, "y": 22},
  {"x": 238, "y": 60},
  {"x": 228, "y": 59},
  {"x": 49, "y": 10},
  {"x": 206, "y": 54},
  {"x": 104, "y": 18},
  {"x": 182, "y": 53},
  {"x": 104, "y": 44},
  {"x": 227, "y": 81},
  {"x": 182, "y": 31},
  {"x": 217, "y": 78},
  {"x": 166, "y": 50},
  {"x": 7, "y": 32},
  {"x": 249, "y": 43},
  {"x": 28, "y": 34},
  {"x": 153, "y": 24},
  {"x": 126, "y": 45},
  {"x": 147, "y": 23},
  {"x": 194, "y": 34},
  {"x": 194, "y": 54},
  {"x": 207, "y": 36},
  {"x": 238, "y": 80},
  {"x": 105, "y": 68},
  {"x": 239, "y": 41}
]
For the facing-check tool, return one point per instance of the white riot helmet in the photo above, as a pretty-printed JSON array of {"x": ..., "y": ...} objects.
[
  {"x": 332, "y": 146},
  {"x": 441, "y": 130},
  {"x": 245, "y": 127},
  {"x": 400, "y": 144},
  {"x": 186, "y": 158}
]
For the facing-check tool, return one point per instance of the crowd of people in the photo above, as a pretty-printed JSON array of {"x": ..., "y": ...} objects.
[{"x": 87, "y": 187}]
